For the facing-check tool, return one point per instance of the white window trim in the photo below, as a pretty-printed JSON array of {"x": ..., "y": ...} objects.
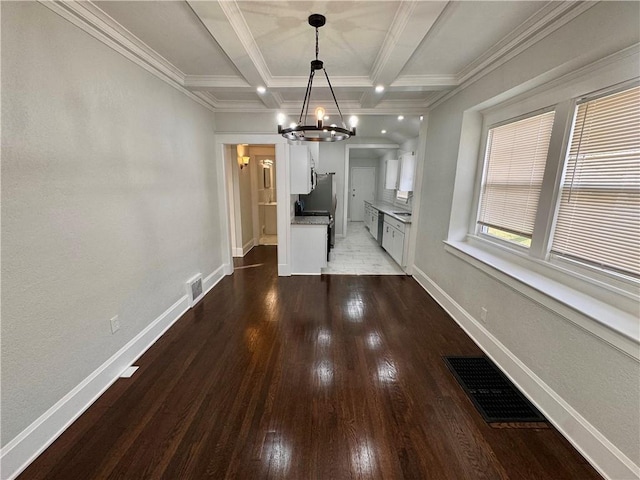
[{"x": 605, "y": 304}]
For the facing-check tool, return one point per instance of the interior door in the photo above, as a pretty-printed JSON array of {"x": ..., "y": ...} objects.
[{"x": 363, "y": 188}]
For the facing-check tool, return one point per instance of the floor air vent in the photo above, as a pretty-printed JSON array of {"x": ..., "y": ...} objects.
[
  {"x": 194, "y": 290},
  {"x": 495, "y": 397}
]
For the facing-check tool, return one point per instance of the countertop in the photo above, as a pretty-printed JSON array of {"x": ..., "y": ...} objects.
[
  {"x": 315, "y": 220},
  {"x": 391, "y": 210}
]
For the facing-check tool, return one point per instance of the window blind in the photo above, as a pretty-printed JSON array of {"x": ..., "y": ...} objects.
[
  {"x": 514, "y": 166},
  {"x": 599, "y": 213}
]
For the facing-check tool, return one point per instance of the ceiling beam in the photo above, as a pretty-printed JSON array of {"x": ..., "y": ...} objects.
[
  {"x": 227, "y": 26},
  {"x": 411, "y": 24}
]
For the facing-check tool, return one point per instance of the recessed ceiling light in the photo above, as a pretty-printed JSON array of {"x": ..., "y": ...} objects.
[
  {"x": 421, "y": 117},
  {"x": 379, "y": 88},
  {"x": 383, "y": 131},
  {"x": 261, "y": 89},
  {"x": 400, "y": 117}
]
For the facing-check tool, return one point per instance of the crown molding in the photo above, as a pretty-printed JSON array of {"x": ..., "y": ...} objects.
[
  {"x": 546, "y": 21},
  {"x": 551, "y": 17},
  {"x": 88, "y": 17},
  {"x": 571, "y": 73}
]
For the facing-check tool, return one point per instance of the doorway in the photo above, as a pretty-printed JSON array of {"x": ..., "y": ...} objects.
[
  {"x": 253, "y": 196},
  {"x": 363, "y": 189},
  {"x": 267, "y": 199}
]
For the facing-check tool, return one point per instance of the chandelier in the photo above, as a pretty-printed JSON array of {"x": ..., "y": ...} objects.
[{"x": 318, "y": 132}]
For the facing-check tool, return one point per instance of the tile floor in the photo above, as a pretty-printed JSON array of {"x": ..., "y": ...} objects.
[{"x": 359, "y": 254}]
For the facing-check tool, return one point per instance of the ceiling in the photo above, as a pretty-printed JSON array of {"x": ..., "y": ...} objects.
[{"x": 417, "y": 50}]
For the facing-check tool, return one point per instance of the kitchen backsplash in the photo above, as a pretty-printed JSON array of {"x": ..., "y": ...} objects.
[{"x": 389, "y": 196}]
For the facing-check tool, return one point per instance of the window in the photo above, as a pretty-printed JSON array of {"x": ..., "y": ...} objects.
[
  {"x": 595, "y": 222},
  {"x": 514, "y": 166},
  {"x": 598, "y": 220},
  {"x": 580, "y": 250}
]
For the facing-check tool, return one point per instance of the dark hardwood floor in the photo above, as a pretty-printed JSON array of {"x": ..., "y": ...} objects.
[{"x": 332, "y": 377}]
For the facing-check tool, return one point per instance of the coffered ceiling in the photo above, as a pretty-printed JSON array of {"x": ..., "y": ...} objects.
[{"x": 221, "y": 51}]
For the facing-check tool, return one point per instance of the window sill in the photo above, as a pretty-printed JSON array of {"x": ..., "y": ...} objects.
[{"x": 604, "y": 319}]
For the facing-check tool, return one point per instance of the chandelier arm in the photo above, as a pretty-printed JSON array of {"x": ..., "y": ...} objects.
[
  {"x": 307, "y": 97},
  {"x": 334, "y": 97}
]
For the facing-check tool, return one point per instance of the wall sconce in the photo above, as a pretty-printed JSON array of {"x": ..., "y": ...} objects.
[{"x": 244, "y": 161}]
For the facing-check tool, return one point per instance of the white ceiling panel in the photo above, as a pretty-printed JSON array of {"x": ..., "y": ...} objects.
[
  {"x": 464, "y": 32},
  {"x": 174, "y": 32},
  {"x": 349, "y": 42}
]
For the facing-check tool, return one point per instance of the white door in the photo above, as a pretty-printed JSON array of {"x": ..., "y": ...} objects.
[{"x": 363, "y": 188}]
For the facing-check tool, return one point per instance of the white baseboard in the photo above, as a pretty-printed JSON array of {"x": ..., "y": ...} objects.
[
  {"x": 593, "y": 445},
  {"x": 247, "y": 247},
  {"x": 284, "y": 270},
  {"x": 241, "y": 252},
  {"x": 32, "y": 441},
  {"x": 214, "y": 278}
]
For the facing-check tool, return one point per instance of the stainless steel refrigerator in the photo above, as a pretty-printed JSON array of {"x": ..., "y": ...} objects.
[{"x": 323, "y": 199}]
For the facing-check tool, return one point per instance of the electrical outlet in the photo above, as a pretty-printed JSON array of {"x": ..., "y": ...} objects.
[
  {"x": 115, "y": 324},
  {"x": 483, "y": 314}
]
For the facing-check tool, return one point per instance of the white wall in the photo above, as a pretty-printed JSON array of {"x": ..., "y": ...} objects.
[
  {"x": 597, "y": 380},
  {"x": 246, "y": 203},
  {"x": 109, "y": 204}
]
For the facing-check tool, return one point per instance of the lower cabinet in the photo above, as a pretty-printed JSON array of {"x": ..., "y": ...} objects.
[
  {"x": 371, "y": 219},
  {"x": 308, "y": 249},
  {"x": 394, "y": 234}
]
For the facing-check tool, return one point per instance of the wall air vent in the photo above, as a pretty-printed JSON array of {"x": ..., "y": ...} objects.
[{"x": 194, "y": 289}]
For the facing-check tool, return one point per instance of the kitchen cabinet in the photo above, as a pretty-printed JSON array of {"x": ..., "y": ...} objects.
[
  {"x": 308, "y": 249},
  {"x": 371, "y": 215},
  {"x": 301, "y": 168},
  {"x": 407, "y": 172},
  {"x": 391, "y": 175},
  {"x": 368, "y": 216},
  {"x": 395, "y": 236}
]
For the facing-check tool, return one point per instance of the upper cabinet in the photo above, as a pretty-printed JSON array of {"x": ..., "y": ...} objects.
[
  {"x": 301, "y": 167},
  {"x": 391, "y": 176},
  {"x": 407, "y": 172}
]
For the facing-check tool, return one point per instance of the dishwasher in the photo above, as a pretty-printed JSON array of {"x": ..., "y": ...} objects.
[{"x": 380, "y": 227}]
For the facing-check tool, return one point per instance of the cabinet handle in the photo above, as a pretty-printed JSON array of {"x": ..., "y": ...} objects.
[{"x": 393, "y": 234}]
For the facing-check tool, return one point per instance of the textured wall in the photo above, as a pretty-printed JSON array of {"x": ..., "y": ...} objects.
[
  {"x": 109, "y": 204},
  {"x": 597, "y": 380}
]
